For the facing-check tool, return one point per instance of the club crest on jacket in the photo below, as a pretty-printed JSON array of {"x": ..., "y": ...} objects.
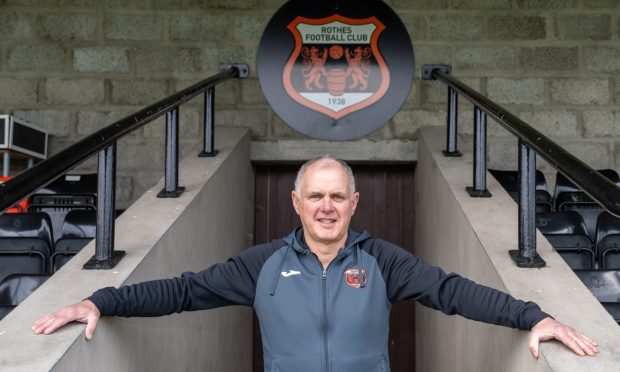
[{"x": 353, "y": 278}]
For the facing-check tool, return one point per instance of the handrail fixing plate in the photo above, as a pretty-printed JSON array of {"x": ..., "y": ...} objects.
[
  {"x": 243, "y": 68},
  {"x": 427, "y": 70}
]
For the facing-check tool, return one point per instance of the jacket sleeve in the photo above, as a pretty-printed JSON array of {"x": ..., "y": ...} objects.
[
  {"x": 407, "y": 277},
  {"x": 228, "y": 283}
]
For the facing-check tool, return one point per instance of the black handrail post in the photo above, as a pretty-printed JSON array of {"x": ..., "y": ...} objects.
[
  {"x": 208, "y": 149},
  {"x": 479, "y": 190},
  {"x": 171, "y": 178},
  {"x": 105, "y": 257},
  {"x": 452, "y": 131},
  {"x": 429, "y": 73},
  {"x": 526, "y": 255}
]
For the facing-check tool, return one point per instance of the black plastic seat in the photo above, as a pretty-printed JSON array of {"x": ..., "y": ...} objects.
[
  {"x": 26, "y": 225},
  {"x": 565, "y": 223},
  {"x": 605, "y": 286},
  {"x": 567, "y": 192},
  {"x": 608, "y": 241},
  {"x": 78, "y": 230},
  {"x": 15, "y": 288},
  {"x": 567, "y": 234},
  {"x": 569, "y": 197},
  {"x": 67, "y": 193},
  {"x": 509, "y": 179},
  {"x": 25, "y": 243}
]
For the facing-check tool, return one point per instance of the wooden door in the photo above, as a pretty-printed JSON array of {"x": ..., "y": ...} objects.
[{"x": 385, "y": 210}]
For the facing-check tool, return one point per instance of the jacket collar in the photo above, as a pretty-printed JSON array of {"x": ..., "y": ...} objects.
[{"x": 297, "y": 241}]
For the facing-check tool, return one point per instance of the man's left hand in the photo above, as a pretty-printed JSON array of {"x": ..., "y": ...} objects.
[{"x": 549, "y": 328}]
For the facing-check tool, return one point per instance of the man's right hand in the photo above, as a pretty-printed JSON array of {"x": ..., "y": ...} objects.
[{"x": 84, "y": 312}]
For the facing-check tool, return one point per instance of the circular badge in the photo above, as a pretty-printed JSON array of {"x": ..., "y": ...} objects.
[{"x": 335, "y": 70}]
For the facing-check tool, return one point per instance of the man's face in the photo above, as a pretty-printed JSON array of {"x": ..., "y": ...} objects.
[{"x": 325, "y": 204}]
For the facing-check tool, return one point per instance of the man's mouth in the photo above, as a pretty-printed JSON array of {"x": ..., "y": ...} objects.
[{"x": 327, "y": 220}]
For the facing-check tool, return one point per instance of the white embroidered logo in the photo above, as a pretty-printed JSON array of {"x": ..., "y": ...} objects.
[{"x": 289, "y": 273}]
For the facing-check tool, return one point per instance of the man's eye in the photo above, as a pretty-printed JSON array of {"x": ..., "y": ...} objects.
[
  {"x": 314, "y": 197},
  {"x": 338, "y": 198}
]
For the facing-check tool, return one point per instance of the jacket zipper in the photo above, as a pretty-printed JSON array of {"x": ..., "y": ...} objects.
[
  {"x": 324, "y": 313},
  {"x": 326, "y": 366},
  {"x": 325, "y": 338}
]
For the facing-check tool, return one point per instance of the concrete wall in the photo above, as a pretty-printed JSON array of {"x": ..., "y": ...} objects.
[
  {"x": 76, "y": 65},
  {"x": 472, "y": 236},
  {"x": 210, "y": 222}
]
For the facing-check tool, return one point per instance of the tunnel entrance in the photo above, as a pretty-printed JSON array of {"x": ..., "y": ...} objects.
[{"x": 385, "y": 210}]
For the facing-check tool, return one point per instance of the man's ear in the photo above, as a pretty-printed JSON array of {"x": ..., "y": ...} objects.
[
  {"x": 356, "y": 198},
  {"x": 295, "y": 200}
]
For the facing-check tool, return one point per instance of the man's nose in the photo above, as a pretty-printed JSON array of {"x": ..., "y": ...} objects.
[{"x": 327, "y": 205}]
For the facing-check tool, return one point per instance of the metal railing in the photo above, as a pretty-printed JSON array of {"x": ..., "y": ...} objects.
[
  {"x": 531, "y": 142},
  {"x": 104, "y": 142}
]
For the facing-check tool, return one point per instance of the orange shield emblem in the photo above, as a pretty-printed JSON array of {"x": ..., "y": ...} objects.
[
  {"x": 354, "y": 278},
  {"x": 336, "y": 67}
]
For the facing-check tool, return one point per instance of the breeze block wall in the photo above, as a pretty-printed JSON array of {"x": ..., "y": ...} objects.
[{"x": 73, "y": 66}]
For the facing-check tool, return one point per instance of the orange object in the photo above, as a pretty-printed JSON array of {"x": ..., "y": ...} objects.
[
  {"x": 336, "y": 51},
  {"x": 336, "y": 81},
  {"x": 22, "y": 206}
]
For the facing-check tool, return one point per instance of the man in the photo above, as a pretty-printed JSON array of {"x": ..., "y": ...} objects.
[{"x": 323, "y": 293}]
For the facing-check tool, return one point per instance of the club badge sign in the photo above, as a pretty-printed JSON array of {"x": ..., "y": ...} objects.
[
  {"x": 356, "y": 76},
  {"x": 335, "y": 70}
]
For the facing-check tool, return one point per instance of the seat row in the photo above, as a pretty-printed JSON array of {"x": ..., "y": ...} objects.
[
  {"x": 567, "y": 196},
  {"x": 41, "y": 233},
  {"x": 567, "y": 233},
  {"x": 27, "y": 245}
]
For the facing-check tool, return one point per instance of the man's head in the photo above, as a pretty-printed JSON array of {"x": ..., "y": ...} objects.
[
  {"x": 325, "y": 158},
  {"x": 325, "y": 200}
]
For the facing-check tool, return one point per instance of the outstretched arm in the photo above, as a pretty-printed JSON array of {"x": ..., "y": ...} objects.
[
  {"x": 452, "y": 294},
  {"x": 549, "y": 328},
  {"x": 228, "y": 283},
  {"x": 84, "y": 312}
]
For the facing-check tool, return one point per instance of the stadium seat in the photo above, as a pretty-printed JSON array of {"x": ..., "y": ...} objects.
[
  {"x": 69, "y": 192},
  {"x": 569, "y": 197},
  {"x": 567, "y": 234},
  {"x": 26, "y": 225},
  {"x": 15, "y": 288},
  {"x": 608, "y": 241},
  {"x": 509, "y": 179},
  {"x": 78, "y": 230},
  {"x": 25, "y": 243},
  {"x": 605, "y": 286},
  {"x": 564, "y": 186}
]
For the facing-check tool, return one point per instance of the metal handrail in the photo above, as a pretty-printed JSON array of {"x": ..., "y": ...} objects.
[
  {"x": 55, "y": 166},
  {"x": 104, "y": 142},
  {"x": 531, "y": 142},
  {"x": 592, "y": 182}
]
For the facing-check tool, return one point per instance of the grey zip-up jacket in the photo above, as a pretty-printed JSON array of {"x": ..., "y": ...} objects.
[{"x": 314, "y": 319}]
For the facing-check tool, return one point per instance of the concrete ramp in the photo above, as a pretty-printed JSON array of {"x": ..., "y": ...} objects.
[
  {"x": 210, "y": 222},
  {"x": 472, "y": 236}
]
